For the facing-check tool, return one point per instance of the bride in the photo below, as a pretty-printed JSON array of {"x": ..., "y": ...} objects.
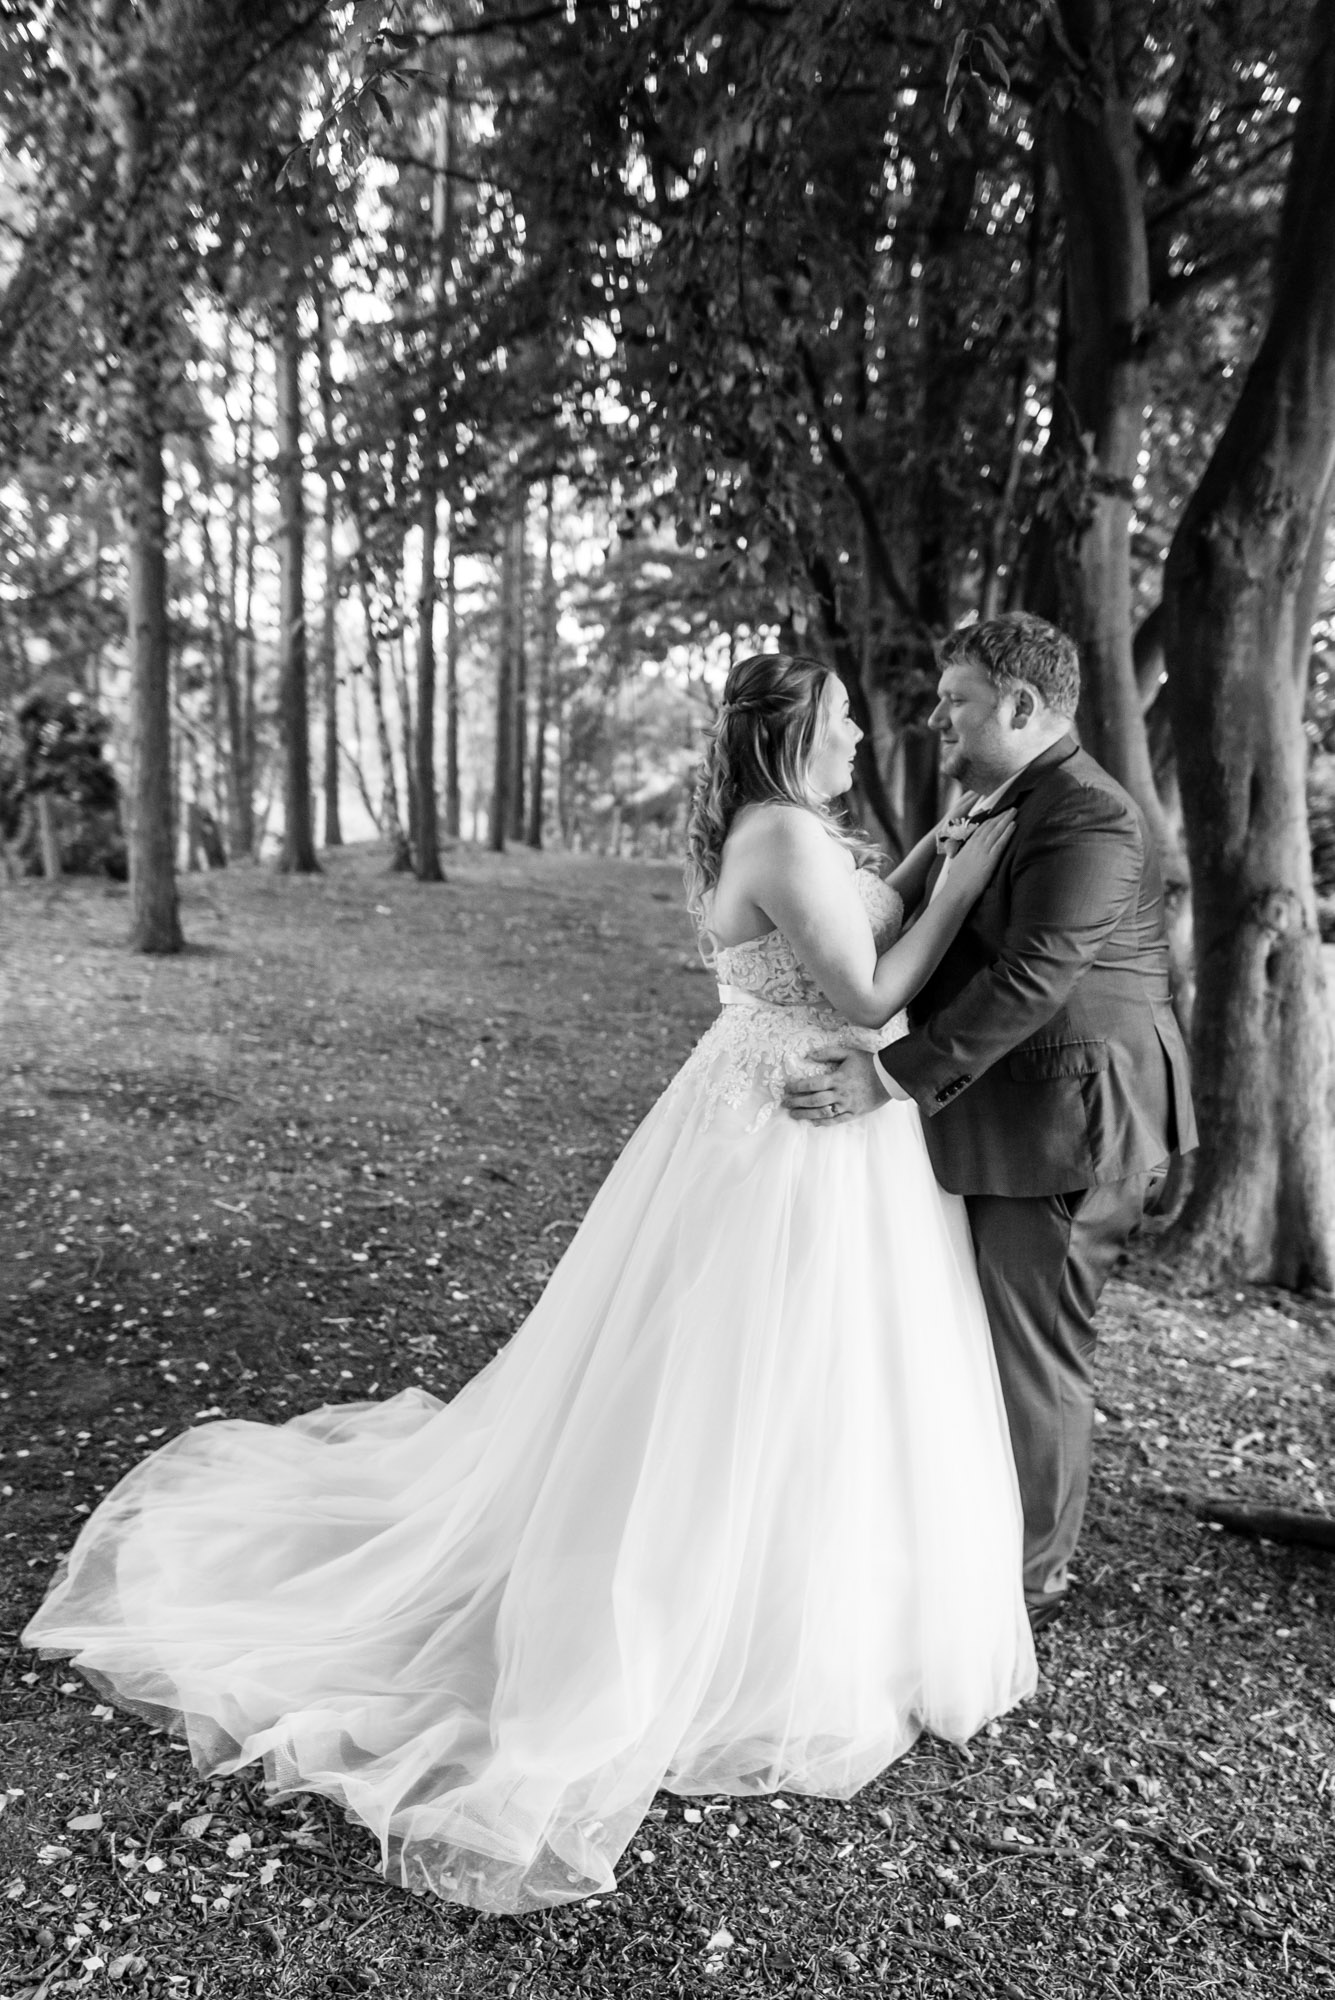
[{"x": 733, "y": 1512}]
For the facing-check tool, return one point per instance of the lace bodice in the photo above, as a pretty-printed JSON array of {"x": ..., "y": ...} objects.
[
  {"x": 772, "y": 1015},
  {"x": 768, "y": 968}
]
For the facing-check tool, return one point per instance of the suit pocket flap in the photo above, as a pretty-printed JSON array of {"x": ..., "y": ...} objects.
[{"x": 1049, "y": 1059}]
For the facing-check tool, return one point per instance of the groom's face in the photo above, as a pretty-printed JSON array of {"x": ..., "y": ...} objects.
[{"x": 976, "y": 722}]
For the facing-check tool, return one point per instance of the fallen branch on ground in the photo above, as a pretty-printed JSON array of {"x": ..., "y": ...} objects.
[{"x": 1275, "y": 1524}]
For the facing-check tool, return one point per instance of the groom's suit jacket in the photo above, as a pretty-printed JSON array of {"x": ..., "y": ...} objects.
[{"x": 1044, "y": 1052}]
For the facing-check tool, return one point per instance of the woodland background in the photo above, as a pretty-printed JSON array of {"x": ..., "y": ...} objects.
[{"x": 408, "y": 410}]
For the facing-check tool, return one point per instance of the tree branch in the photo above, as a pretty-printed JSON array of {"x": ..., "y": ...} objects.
[
  {"x": 1233, "y": 263},
  {"x": 1209, "y": 190},
  {"x": 1275, "y": 1524},
  {"x": 882, "y": 561}
]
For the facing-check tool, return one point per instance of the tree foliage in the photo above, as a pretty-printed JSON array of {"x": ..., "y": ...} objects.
[{"x": 830, "y": 325}]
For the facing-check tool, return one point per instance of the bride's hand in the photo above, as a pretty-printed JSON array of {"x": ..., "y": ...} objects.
[{"x": 974, "y": 865}]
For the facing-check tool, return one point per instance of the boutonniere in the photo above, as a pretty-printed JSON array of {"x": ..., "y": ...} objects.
[{"x": 952, "y": 833}]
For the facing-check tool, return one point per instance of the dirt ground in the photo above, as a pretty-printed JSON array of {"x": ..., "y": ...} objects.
[{"x": 336, "y": 1148}]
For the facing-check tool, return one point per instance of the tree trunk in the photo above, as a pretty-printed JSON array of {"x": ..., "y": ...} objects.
[
  {"x": 917, "y": 771},
  {"x": 1099, "y": 409},
  {"x": 426, "y": 846},
  {"x": 143, "y": 314},
  {"x": 542, "y": 687},
  {"x": 333, "y": 825},
  {"x": 154, "y": 917},
  {"x": 517, "y": 586},
  {"x": 1238, "y": 599},
  {"x": 944, "y": 243},
  {"x": 221, "y": 677},
  {"x": 48, "y": 840},
  {"x": 503, "y": 762},
  {"x": 298, "y": 850},
  {"x": 452, "y": 801},
  {"x": 453, "y": 810},
  {"x": 390, "y": 822},
  {"x": 357, "y": 755},
  {"x": 189, "y": 742},
  {"x": 230, "y": 663},
  {"x": 1083, "y": 557},
  {"x": 222, "y": 680},
  {"x": 866, "y": 772},
  {"x": 93, "y": 668},
  {"x": 565, "y": 816},
  {"x": 243, "y": 734},
  {"x": 398, "y": 654}
]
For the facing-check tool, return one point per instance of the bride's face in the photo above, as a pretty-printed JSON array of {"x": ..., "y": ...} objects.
[{"x": 830, "y": 770}]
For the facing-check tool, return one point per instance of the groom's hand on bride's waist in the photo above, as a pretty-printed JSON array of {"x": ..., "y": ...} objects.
[{"x": 847, "y": 1089}]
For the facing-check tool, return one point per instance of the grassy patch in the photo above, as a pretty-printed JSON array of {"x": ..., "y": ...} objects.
[{"x": 335, "y": 1149}]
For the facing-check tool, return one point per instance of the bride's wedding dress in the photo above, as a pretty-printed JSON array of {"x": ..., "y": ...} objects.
[{"x": 734, "y": 1511}]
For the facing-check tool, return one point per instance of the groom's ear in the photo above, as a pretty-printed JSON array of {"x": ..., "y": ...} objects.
[{"x": 1025, "y": 706}]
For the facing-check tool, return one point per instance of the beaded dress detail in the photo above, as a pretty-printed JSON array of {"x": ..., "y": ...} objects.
[{"x": 772, "y": 1014}]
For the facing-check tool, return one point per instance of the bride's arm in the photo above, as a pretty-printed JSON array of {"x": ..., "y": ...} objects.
[{"x": 800, "y": 878}]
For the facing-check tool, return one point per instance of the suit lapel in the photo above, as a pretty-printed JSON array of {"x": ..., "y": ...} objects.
[
  {"x": 997, "y": 892},
  {"x": 1056, "y": 753}
]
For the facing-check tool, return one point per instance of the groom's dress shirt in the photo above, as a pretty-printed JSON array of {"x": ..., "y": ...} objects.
[{"x": 1044, "y": 1052}]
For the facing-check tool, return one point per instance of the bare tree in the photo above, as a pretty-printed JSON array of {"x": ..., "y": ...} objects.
[
  {"x": 517, "y": 573},
  {"x": 503, "y": 766},
  {"x": 240, "y": 687},
  {"x": 426, "y": 846},
  {"x": 298, "y": 851},
  {"x": 140, "y": 271},
  {"x": 543, "y": 682},
  {"x": 452, "y": 801},
  {"x": 333, "y": 825}
]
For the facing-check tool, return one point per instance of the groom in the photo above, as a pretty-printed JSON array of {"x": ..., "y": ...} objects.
[{"x": 1044, "y": 1054}]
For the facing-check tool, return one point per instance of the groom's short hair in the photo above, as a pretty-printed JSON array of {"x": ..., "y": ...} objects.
[{"x": 1016, "y": 647}]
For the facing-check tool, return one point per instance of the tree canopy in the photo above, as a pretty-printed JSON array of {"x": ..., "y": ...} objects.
[{"x": 473, "y": 380}]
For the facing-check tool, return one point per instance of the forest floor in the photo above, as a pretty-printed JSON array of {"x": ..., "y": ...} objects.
[{"x": 335, "y": 1149}]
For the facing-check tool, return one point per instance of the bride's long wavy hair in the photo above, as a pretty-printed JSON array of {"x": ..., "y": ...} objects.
[{"x": 759, "y": 748}]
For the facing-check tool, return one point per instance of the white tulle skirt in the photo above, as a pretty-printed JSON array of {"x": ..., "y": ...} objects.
[{"x": 733, "y": 1512}]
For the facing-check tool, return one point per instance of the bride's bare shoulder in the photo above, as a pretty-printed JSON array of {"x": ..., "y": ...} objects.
[
  {"x": 791, "y": 838},
  {"x": 776, "y": 823}
]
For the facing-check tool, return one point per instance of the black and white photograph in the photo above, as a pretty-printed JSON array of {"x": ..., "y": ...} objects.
[{"x": 667, "y": 999}]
